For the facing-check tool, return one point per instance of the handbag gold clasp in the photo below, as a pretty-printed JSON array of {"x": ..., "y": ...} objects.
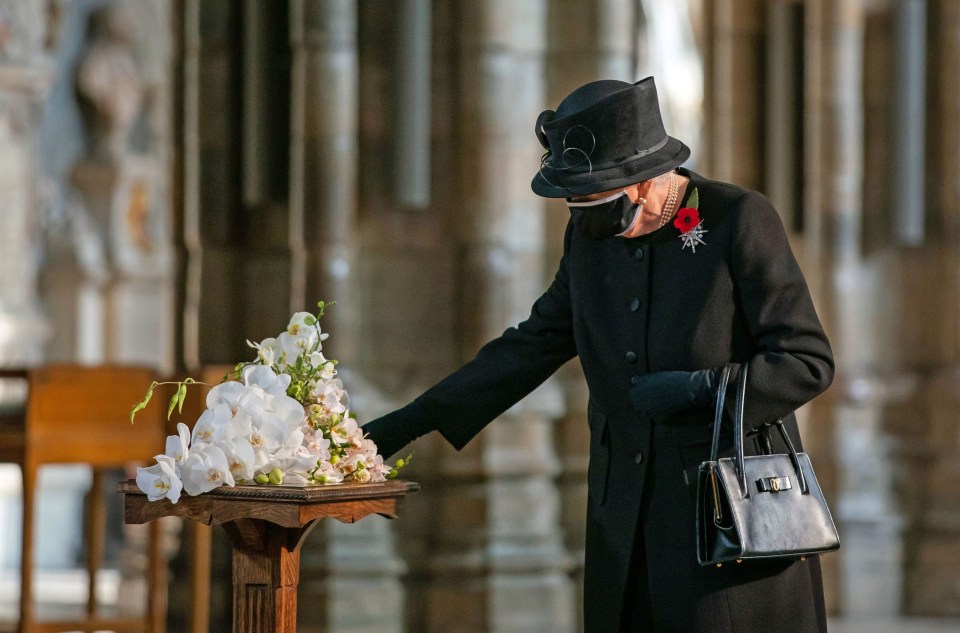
[{"x": 775, "y": 484}]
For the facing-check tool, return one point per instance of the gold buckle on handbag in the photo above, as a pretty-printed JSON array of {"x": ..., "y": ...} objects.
[{"x": 774, "y": 484}]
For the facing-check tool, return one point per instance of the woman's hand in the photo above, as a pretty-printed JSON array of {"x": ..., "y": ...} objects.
[
  {"x": 662, "y": 394},
  {"x": 395, "y": 430}
]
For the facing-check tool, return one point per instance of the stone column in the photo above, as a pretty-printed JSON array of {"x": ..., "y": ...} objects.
[
  {"x": 351, "y": 570},
  {"x": 267, "y": 252},
  {"x": 210, "y": 306},
  {"x": 213, "y": 321},
  {"x": 733, "y": 77},
  {"x": 666, "y": 45},
  {"x": 931, "y": 581},
  {"x": 412, "y": 138},
  {"x": 865, "y": 503},
  {"x": 499, "y": 563},
  {"x": 25, "y": 76},
  {"x": 783, "y": 78},
  {"x": 323, "y": 160},
  {"x": 910, "y": 44}
]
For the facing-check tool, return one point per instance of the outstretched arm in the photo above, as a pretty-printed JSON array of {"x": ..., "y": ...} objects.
[{"x": 504, "y": 371}]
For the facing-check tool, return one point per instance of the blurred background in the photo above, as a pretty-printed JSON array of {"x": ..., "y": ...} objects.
[{"x": 179, "y": 176}]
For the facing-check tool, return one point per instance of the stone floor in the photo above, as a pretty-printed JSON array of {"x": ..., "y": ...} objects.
[
  {"x": 902, "y": 625},
  {"x": 62, "y": 592}
]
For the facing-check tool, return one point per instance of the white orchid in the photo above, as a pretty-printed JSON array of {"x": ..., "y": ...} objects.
[
  {"x": 292, "y": 346},
  {"x": 241, "y": 459},
  {"x": 362, "y": 475},
  {"x": 327, "y": 473},
  {"x": 205, "y": 469},
  {"x": 302, "y": 324},
  {"x": 214, "y": 425},
  {"x": 267, "y": 434},
  {"x": 298, "y": 462},
  {"x": 317, "y": 444},
  {"x": 266, "y": 350},
  {"x": 160, "y": 481},
  {"x": 228, "y": 393},
  {"x": 328, "y": 368},
  {"x": 285, "y": 420},
  {"x": 288, "y": 410},
  {"x": 178, "y": 446},
  {"x": 331, "y": 396},
  {"x": 265, "y": 378},
  {"x": 350, "y": 433}
]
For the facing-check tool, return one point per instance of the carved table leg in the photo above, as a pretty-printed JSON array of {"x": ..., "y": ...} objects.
[
  {"x": 266, "y": 555},
  {"x": 266, "y": 571}
]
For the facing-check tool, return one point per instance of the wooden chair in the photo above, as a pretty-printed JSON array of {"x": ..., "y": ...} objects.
[{"x": 81, "y": 415}]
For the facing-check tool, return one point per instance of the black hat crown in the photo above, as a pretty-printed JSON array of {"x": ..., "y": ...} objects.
[{"x": 604, "y": 135}]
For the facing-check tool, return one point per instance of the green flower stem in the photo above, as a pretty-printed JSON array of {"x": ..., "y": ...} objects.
[{"x": 176, "y": 402}]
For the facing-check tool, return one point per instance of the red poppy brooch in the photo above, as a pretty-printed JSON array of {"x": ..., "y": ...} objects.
[{"x": 689, "y": 223}]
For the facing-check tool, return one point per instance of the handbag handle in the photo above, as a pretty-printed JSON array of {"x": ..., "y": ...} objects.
[
  {"x": 738, "y": 430},
  {"x": 718, "y": 412}
]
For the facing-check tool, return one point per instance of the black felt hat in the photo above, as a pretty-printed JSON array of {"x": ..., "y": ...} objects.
[{"x": 604, "y": 135}]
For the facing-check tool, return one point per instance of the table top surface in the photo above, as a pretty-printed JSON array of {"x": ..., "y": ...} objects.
[{"x": 297, "y": 494}]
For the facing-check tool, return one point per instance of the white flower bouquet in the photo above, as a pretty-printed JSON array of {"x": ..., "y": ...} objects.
[{"x": 283, "y": 420}]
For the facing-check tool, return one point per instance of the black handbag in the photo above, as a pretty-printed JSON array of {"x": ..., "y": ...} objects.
[{"x": 766, "y": 506}]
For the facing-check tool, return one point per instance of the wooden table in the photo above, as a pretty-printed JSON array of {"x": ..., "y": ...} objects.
[{"x": 267, "y": 525}]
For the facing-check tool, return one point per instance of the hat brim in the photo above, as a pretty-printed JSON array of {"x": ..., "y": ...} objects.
[{"x": 567, "y": 184}]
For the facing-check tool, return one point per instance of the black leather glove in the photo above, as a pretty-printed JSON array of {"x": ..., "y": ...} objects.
[
  {"x": 395, "y": 430},
  {"x": 663, "y": 394}
]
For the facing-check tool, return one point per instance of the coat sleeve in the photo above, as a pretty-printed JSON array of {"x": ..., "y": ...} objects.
[
  {"x": 792, "y": 362},
  {"x": 505, "y": 370}
]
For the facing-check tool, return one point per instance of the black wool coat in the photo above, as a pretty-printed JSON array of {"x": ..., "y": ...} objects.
[{"x": 647, "y": 304}]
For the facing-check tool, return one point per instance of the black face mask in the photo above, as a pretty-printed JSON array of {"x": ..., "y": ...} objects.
[{"x": 600, "y": 219}]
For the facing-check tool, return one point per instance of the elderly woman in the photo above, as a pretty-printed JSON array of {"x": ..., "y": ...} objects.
[{"x": 665, "y": 278}]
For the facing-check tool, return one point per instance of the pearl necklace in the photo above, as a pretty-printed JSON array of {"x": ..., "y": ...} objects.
[{"x": 667, "y": 211}]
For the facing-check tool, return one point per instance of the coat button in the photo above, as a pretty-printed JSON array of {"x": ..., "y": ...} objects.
[
  {"x": 638, "y": 458},
  {"x": 634, "y": 304},
  {"x": 638, "y": 254},
  {"x": 630, "y": 357}
]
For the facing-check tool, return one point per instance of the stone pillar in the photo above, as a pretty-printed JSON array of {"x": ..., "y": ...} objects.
[
  {"x": 211, "y": 311},
  {"x": 25, "y": 76},
  {"x": 352, "y": 570},
  {"x": 910, "y": 105},
  {"x": 213, "y": 322},
  {"x": 499, "y": 563},
  {"x": 323, "y": 160},
  {"x": 783, "y": 76},
  {"x": 666, "y": 46},
  {"x": 931, "y": 581},
  {"x": 265, "y": 278},
  {"x": 865, "y": 503},
  {"x": 947, "y": 85},
  {"x": 588, "y": 41},
  {"x": 733, "y": 78},
  {"x": 412, "y": 138}
]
